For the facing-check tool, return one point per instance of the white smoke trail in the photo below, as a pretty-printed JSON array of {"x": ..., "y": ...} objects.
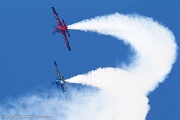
[
  {"x": 155, "y": 50},
  {"x": 123, "y": 92}
]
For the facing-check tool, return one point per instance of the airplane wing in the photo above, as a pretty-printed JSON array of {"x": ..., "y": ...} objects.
[
  {"x": 67, "y": 44},
  {"x": 58, "y": 71},
  {"x": 64, "y": 34},
  {"x": 56, "y": 16},
  {"x": 63, "y": 88},
  {"x": 66, "y": 40}
]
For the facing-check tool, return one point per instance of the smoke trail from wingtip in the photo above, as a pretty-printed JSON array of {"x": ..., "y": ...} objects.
[{"x": 128, "y": 88}]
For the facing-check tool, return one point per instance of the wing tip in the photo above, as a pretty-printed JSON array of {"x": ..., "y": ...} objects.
[{"x": 53, "y": 8}]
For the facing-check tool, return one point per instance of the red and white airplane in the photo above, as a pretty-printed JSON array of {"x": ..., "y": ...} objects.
[{"x": 61, "y": 27}]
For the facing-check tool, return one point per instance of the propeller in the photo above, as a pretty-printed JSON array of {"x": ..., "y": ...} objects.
[
  {"x": 54, "y": 32},
  {"x": 52, "y": 83},
  {"x": 54, "y": 26}
]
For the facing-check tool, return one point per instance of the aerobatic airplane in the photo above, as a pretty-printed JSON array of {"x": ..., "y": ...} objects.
[
  {"x": 61, "y": 27},
  {"x": 60, "y": 81}
]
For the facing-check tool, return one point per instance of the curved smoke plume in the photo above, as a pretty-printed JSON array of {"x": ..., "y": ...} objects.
[{"x": 155, "y": 50}]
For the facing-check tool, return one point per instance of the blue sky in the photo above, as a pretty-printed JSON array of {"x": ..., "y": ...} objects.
[{"x": 28, "y": 49}]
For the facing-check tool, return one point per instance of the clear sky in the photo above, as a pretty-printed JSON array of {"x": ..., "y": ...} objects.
[{"x": 28, "y": 48}]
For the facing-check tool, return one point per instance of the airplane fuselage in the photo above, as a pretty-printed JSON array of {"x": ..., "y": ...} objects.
[
  {"x": 60, "y": 28},
  {"x": 62, "y": 84},
  {"x": 58, "y": 82}
]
